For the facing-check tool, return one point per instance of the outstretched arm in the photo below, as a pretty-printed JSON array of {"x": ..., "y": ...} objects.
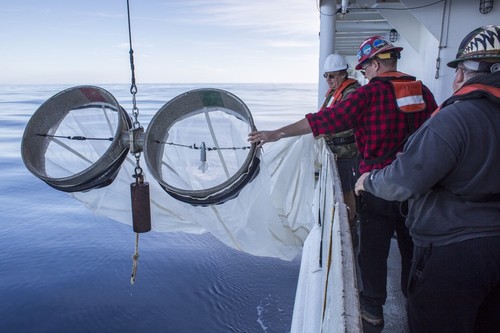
[{"x": 261, "y": 137}]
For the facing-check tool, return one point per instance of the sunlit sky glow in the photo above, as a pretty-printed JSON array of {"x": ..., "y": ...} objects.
[{"x": 174, "y": 41}]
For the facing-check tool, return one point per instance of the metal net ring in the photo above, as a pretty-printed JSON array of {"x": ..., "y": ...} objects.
[
  {"x": 42, "y": 126},
  {"x": 186, "y": 105}
]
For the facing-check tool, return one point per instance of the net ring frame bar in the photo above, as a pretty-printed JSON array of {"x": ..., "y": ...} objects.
[
  {"x": 185, "y": 105},
  {"x": 46, "y": 120}
]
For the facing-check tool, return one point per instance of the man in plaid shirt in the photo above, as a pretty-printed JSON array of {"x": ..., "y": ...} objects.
[{"x": 383, "y": 114}]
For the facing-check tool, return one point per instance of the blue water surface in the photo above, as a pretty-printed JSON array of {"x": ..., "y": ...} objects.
[{"x": 65, "y": 269}]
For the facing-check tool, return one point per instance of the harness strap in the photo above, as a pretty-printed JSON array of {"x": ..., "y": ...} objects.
[{"x": 470, "y": 91}]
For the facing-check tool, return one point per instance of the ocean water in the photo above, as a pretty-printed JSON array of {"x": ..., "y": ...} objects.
[{"x": 64, "y": 269}]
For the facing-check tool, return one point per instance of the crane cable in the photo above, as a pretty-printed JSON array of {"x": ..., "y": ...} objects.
[{"x": 141, "y": 212}]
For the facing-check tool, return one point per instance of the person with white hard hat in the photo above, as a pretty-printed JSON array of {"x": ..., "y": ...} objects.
[
  {"x": 383, "y": 114},
  {"x": 342, "y": 144}
]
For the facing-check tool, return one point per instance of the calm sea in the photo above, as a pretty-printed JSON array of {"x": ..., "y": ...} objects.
[{"x": 64, "y": 269}]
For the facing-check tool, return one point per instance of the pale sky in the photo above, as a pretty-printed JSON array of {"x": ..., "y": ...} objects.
[{"x": 174, "y": 41}]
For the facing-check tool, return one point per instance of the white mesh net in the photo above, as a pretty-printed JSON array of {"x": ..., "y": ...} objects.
[{"x": 197, "y": 143}]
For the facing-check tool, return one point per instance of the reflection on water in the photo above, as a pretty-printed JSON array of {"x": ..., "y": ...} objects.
[{"x": 64, "y": 269}]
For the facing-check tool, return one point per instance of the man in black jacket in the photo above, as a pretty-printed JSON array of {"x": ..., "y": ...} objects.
[{"x": 449, "y": 171}]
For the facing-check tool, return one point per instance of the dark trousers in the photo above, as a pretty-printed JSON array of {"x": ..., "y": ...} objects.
[
  {"x": 379, "y": 219},
  {"x": 456, "y": 288}
]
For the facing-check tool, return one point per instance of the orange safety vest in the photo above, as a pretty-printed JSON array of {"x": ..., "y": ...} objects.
[
  {"x": 337, "y": 94},
  {"x": 409, "y": 99},
  {"x": 471, "y": 91},
  {"x": 408, "y": 91}
]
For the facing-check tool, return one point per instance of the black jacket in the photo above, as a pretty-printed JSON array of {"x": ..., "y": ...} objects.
[{"x": 450, "y": 170}]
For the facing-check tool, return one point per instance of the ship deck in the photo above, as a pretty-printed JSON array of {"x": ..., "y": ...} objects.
[{"x": 394, "y": 309}]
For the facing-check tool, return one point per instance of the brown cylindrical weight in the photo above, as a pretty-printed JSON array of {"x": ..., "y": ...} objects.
[{"x": 141, "y": 210}]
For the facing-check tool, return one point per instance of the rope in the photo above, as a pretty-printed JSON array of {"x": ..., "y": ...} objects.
[{"x": 135, "y": 258}]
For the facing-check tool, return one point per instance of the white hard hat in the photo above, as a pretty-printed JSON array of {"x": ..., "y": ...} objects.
[{"x": 335, "y": 62}]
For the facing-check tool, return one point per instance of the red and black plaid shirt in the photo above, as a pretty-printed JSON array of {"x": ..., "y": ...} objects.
[{"x": 378, "y": 125}]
